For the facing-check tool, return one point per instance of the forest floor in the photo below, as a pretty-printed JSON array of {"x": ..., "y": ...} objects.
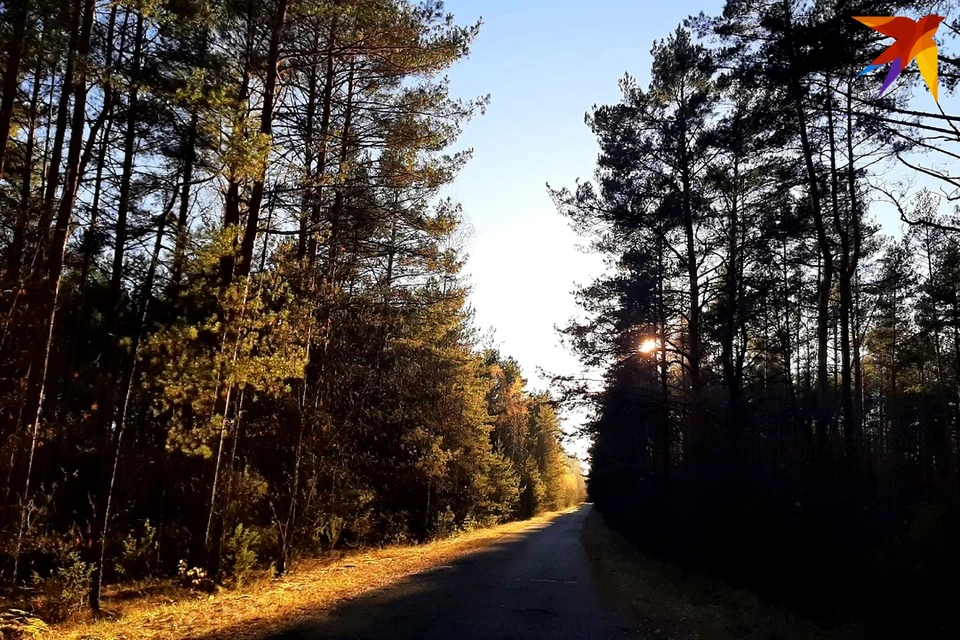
[
  {"x": 265, "y": 606},
  {"x": 675, "y": 604}
]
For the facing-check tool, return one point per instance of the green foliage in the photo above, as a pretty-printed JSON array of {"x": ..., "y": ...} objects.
[
  {"x": 139, "y": 551},
  {"x": 240, "y": 556},
  {"x": 329, "y": 532},
  {"x": 533, "y": 493},
  {"x": 65, "y": 590},
  {"x": 498, "y": 491},
  {"x": 247, "y": 335},
  {"x": 445, "y": 524},
  {"x": 260, "y": 319},
  {"x": 527, "y": 434}
]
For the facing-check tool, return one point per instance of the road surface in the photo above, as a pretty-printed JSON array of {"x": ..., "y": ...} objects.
[{"x": 535, "y": 584}]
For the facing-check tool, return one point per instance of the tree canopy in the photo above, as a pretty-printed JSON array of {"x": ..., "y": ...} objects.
[
  {"x": 779, "y": 400},
  {"x": 235, "y": 328}
]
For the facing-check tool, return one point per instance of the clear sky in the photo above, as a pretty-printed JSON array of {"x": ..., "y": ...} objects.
[{"x": 544, "y": 63}]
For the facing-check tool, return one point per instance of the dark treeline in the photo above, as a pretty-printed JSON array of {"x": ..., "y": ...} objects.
[
  {"x": 781, "y": 400},
  {"x": 233, "y": 326}
]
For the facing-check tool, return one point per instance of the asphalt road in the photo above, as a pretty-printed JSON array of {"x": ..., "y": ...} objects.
[{"x": 537, "y": 584}]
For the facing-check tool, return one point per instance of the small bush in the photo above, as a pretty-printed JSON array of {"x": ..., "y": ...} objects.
[
  {"x": 471, "y": 523},
  {"x": 445, "y": 524},
  {"x": 136, "y": 556},
  {"x": 395, "y": 528},
  {"x": 65, "y": 590},
  {"x": 333, "y": 529},
  {"x": 240, "y": 556}
]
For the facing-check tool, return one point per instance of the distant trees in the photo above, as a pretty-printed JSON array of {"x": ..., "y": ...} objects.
[
  {"x": 526, "y": 432},
  {"x": 234, "y": 324},
  {"x": 780, "y": 399}
]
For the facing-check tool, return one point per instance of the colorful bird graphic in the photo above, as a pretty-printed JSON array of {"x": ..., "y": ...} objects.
[{"x": 914, "y": 39}]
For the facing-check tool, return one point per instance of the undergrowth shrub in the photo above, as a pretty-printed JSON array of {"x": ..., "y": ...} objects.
[
  {"x": 445, "y": 524},
  {"x": 137, "y": 553},
  {"x": 65, "y": 590},
  {"x": 395, "y": 528},
  {"x": 240, "y": 556}
]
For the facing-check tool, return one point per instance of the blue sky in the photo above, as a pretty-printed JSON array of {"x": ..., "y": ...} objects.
[{"x": 544, "y": 64}]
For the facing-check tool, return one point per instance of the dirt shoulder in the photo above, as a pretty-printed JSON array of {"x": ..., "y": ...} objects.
[
  {"x": 680, "y": 605},
  {"x": 268, "y": 606}
]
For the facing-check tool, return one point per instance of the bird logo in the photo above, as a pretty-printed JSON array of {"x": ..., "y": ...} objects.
[{"x": 914, "y": 39}]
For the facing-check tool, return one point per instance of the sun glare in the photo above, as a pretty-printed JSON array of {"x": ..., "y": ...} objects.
[{"x": 649, "y": 345}]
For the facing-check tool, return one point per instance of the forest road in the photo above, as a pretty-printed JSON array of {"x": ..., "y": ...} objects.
[{"x": 535, "y": 584}]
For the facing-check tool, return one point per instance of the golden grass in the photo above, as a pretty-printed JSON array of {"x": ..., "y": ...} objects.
[
  {"x": 267, "y": 606},
  {"x": 679, "y": 605}
]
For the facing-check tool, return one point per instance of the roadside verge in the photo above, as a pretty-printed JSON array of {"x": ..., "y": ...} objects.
[
  {"x": 268, "y": 606},
  {"x": 674, "y": 604}
]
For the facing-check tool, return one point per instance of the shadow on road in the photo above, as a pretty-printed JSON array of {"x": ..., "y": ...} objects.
[{"x": 470, "y": 596}]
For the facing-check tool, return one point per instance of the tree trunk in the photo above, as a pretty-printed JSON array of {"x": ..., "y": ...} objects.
[
  {"x": 87, "y": 248},
  {"x": 53, "y": 167},
  {"x": 732, "y": 318},
  {"x": 696, "y": 418},
  {"x": 212, "y": 557},
  {"x": 189, "y": 151},
  {"x": 49, "y": 287},
  {"x": 825, "y": 284},
  {"x": 310, "y": 109},
  {"x": 324, "y": 136},
  {"x": 231, "y": 209},
  {"x": 666, "y": 441},
  {"x": 102, "y": 523},
  {"x": 266, "y": 129},
  {"x": 115, "y": 297},
  {"x": 11, "y": 75},
  {"x": 15, "y": 257}
]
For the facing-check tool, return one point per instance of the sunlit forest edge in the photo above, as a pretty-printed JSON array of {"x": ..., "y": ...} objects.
[{"x": 234, "y": 328}]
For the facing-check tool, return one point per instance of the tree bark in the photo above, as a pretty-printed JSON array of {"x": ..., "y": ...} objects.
[
  {"x": 189, "y": 151},
  {"x": 231, "y": 210},
  {"x": 53, "y": 167},
  {"x": 102, "y": 523},
  {"x": 266, "y": 130},
  {"x": 324, "y": 137},
  {"x": 825, "y": 283},
  {"x": 11, "y": 75},
  {"x": 49, "y": 287},
  {"x": 15, "y": 256},
  {"x": 697, "y": 410}
]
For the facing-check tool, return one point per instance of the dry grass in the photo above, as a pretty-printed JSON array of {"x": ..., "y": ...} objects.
[
  {"x": 680, "y": 605},
  {"x": 267, "y": 606}
]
